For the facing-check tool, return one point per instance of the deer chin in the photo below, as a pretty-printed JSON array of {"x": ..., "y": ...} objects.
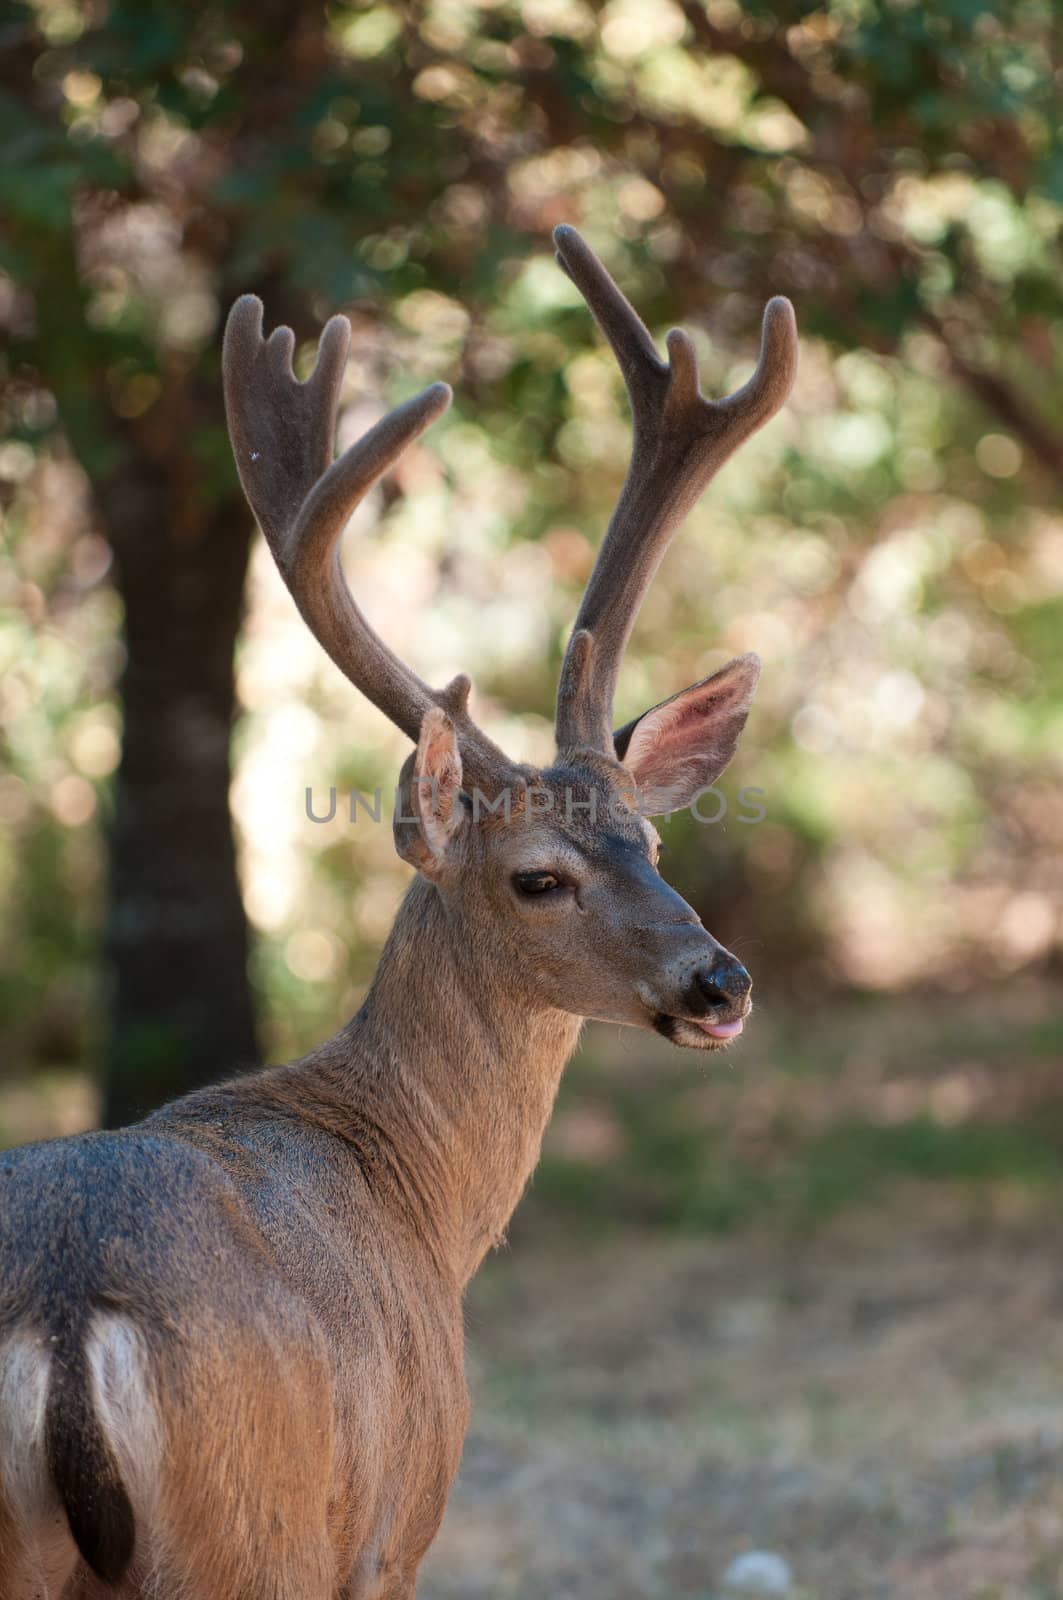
[{"x": 694, "y": 1033}]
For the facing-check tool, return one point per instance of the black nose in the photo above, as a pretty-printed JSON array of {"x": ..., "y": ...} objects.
[{"x": 724, "y": 982}]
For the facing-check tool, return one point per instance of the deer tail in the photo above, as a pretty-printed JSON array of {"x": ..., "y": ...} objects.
[{"x": 84, "y": 1472}]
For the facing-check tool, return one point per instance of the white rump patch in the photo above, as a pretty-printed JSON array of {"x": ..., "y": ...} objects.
[
  {"x": 24, "y": 1364},
  {"x": 48, "y": 1556},
  {"x": 123, "y": 1398}
]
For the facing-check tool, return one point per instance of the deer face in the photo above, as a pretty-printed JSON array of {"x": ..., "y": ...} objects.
[
  {"x": 556, "y": 871},
  {"x": 592, "y": 927}
]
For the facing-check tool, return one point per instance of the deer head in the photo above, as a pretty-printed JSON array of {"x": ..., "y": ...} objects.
[{"x": 550, "y": 876}]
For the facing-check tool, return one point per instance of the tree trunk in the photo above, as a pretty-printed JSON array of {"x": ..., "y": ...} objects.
[{"x": 177, "y": 938}]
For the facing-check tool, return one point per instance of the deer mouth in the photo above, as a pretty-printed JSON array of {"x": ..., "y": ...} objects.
[
  {"x": 722, "y": 1030},
  {"x": 698, "y": 1033}
]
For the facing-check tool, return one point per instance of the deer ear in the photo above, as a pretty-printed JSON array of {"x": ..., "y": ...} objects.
[
  {"x": 433, "y": 811},
  {"x": 680, "y": 747}
]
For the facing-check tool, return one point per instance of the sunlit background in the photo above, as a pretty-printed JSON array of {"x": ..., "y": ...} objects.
[{"x": 891, "y": 546}]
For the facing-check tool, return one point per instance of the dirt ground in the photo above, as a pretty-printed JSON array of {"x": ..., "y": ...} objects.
[{"x": 882, "y": 1406}]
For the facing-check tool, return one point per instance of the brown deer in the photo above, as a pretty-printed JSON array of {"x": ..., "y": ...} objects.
[{"x": 231, "y": 1359}]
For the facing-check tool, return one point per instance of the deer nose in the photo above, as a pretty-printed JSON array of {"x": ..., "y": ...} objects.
[{"x": 724, "y": 983}]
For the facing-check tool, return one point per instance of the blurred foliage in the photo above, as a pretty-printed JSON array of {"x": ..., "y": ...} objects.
[
  {"x": 891, "y": 546},
  {"x": 827, "y": 1110}
]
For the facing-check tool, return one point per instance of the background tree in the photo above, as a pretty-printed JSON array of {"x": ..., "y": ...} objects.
[
  {"x": 160, "y": 160},
  {"x": 896, "y": 169}
]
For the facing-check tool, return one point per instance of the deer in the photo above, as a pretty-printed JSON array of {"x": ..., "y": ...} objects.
[{"x": 231, "y": 1334}]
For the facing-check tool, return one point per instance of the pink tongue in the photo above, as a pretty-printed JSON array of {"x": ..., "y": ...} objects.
[{"x": 722, "y": 1030}]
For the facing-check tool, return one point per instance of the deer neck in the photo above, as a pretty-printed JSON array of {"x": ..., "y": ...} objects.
[{"x": 457, "y": 1071}]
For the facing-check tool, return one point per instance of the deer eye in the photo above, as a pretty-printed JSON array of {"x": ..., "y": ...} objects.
[{"x": 535, "y": 882}]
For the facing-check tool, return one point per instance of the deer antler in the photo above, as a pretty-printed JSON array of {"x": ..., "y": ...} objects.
[
  {"x": 282, "y": 434},
  {"x": 680, "y": 442}
]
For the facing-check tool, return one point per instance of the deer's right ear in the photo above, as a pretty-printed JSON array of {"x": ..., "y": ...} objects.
[{"x": 430, "y": 813}]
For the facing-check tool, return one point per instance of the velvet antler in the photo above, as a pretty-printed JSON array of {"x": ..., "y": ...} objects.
[{"x": 680, "y": 441}]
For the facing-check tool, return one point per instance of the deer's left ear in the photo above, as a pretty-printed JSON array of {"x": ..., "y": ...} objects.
[{"x": 680, "y": 747}]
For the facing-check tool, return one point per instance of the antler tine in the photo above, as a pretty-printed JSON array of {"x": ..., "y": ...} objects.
[
  {"x": 680, "y": 442},
  {"x": 615, "y": 315},
  {"x": 282, "y": 434}
]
